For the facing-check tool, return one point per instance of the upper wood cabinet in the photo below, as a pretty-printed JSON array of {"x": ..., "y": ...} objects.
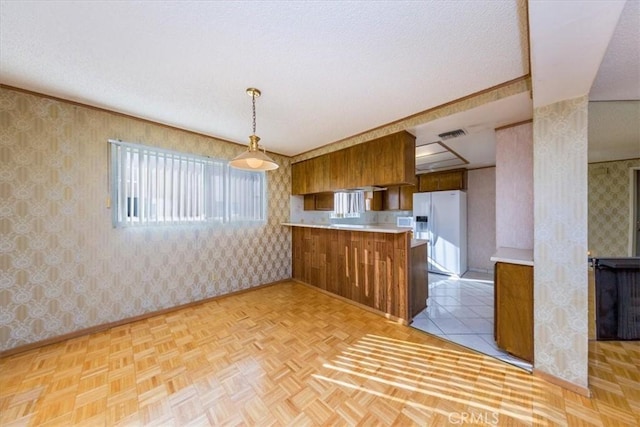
[
  {"x": 389, "y": 160},
  {"x": 398, "y": 198},
  {"x": 441, "y": 181},
  {"x": 318, "y": 202},
  {"x": 298, "y": 177},
  {"x": 338, "y": 167}
]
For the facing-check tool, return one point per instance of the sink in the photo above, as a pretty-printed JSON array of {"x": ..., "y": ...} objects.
[{"x": 348, "y": 225}]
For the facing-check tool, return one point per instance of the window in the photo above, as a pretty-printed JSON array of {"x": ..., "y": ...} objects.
[
  {"x": 154, "y": 186},
  {"x": 348, "y": 204}
]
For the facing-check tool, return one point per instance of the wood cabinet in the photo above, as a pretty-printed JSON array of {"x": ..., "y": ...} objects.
[
  {"x": 513, "y": 305},
  {"x": 441, "y": 181},
  {"x": 338, "y": 166},
  {"x": 398, "y": 197},
  {"x": 419, "y": 288},
  {"x": 389, "y": 160},
  {"x": 318, "y": 202},
  {"x": 298, "y": 178},
  {"x": 368, "y": 268}
]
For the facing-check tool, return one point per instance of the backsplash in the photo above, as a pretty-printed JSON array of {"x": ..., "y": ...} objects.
[{"x": 299, "y": 215}]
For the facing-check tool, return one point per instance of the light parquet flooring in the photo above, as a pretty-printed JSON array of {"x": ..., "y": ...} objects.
[{"x": 289, "y": 355}]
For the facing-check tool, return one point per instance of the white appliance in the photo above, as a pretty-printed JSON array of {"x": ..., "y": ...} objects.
[
  {"x": 404, "y": 222},
  {"x": 441, "y": 218}
]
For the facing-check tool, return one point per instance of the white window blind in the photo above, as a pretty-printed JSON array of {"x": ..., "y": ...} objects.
[
  {"x": 348, "y": 204},
  {"x": 246, "y": 195},
  {"x": 151, "y": 186}
]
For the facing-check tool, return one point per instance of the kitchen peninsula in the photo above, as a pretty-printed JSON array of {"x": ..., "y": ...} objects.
[{"x": 380, "y": 267}]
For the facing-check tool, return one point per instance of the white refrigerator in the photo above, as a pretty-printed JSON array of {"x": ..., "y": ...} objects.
[{"x": 441, "y": 218}]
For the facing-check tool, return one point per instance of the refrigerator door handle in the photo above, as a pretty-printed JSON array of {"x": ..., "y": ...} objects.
[{"x": 434, "y": 232}]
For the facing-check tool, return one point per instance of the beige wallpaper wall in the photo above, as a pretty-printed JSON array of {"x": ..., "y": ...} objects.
[
  {"x": 560, "y": 245},
  {"x": 481, "y": 219},
  {"x": 64, "y": 268},
  {"x": 609, "y": 207},
  {"x": 514, "y": 187}
]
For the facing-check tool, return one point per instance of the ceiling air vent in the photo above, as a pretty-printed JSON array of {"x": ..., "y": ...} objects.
[{"x": 453, "y": 134}]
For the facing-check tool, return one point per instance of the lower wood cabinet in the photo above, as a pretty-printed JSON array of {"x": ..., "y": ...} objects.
[
  {"x": 372, "y": 269},
  {"x": 513, "y": 305}
]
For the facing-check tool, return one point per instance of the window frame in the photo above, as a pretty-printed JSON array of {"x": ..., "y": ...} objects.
[{"x": 215, "y": 205}]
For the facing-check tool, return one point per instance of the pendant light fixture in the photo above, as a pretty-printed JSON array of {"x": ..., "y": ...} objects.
[{"x": 253, "y": 159}]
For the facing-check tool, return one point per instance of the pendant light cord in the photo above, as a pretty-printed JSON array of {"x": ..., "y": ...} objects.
[{"x": 253, "y": 103}]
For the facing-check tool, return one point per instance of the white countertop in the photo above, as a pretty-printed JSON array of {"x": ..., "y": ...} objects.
[
  {"x": 418, "y": 242},
  {"x": 514, "y": 256},
  {"x": 384, "y": 228}
]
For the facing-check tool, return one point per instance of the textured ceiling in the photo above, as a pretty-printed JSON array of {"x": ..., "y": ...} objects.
[
  {"x": 327, "y": 70},
  {"x": 568, "y": 42},
  {"x": 618, "y": 77}
]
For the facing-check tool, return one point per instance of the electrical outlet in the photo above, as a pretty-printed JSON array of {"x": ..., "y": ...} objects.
[{"x": 212, "y": 277}]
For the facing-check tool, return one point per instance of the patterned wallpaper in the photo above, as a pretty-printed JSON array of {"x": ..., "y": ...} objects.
[
  {"x": 514, "y": 187},
  {"x": 64, "y": 268},
  {"x": 560, "y": 240},
  {"x": 609, "y": 207},
  {"x": 481, "y": 219}
]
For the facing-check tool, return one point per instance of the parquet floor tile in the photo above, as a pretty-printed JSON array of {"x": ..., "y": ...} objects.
[{"x": 289, "y": 355}]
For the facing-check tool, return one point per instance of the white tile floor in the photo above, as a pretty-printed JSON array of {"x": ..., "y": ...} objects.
[{"x": 461, "y": 310}]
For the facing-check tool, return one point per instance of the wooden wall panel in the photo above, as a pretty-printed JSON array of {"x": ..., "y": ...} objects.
[{"x": 369, "y": 268}]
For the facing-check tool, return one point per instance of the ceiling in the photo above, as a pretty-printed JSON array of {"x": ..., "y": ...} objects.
[{"x": 327, "y": 70}]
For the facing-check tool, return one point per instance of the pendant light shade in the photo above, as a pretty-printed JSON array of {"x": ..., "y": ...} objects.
[{"x": 255, "y": 158}]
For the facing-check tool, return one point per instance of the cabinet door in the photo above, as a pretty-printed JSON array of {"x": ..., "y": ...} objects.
[
  {"x": 428, "y": 182},
  {"x": 323, "y": 173},
  {"x": 441, "y": 181},
  {"x": 451, "y": 180},
  {"x": 358, "y": 163},
  {"x": 406, "y": 197},
  {"x": 309, "y": 202},
  {"x": 514, "y": 309},
  {"x": 311, "y": 179},
  {"x": 393, "y": 159},
  {"x": 391, "y": 198},
  {"x": 324, "y": 201},
  {"x": 298, "y": 178},
  {"x": 338, "y": 170}
]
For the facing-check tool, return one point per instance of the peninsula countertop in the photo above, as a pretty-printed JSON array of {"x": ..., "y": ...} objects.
[
  {"x": 372, "y": 228},
  {"x": 514, "y": 256}
]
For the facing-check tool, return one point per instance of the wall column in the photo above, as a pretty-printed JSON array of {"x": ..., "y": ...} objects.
[{"x": 560, "y": 242}]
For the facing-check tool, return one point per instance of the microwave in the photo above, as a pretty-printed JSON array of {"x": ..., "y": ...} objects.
[{"x": 404, "y": 221}]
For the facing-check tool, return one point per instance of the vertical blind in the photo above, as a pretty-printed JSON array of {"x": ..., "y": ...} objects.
[
  {"x": 154, "y": 186},
  {"x": 348, "y": 204}
]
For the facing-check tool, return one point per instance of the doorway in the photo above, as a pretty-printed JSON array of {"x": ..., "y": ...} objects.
[{"x": 461, "y": 310}]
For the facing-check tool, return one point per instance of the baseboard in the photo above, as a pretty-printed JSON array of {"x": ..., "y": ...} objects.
[
  {"x": 583, "y": 391},
  {"x": 480, "y": 270},
  {"x": 105, "y": 326}
]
